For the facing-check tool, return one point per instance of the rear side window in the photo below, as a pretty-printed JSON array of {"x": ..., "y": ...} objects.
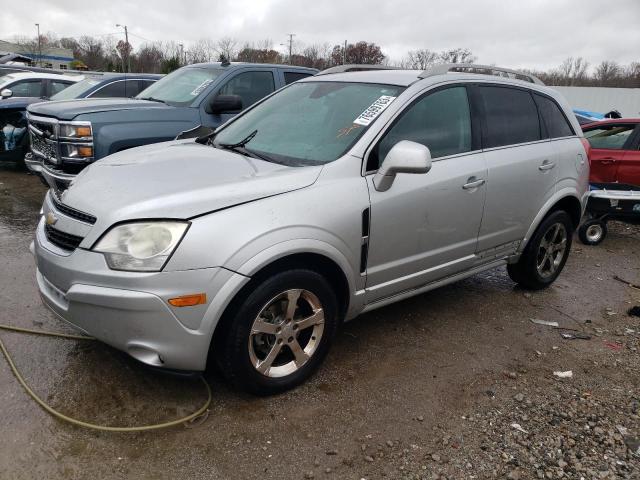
[
  {"x": 57, "y": 86},
  {"x": 290, "y": 77},
  {"x": 115, "y": 89},
  {"x": 441, "y": 120},
  {"x": 610, "y": 137},
  {"x": 511, "y": 117},
  {"x": 554, "y": 120}
]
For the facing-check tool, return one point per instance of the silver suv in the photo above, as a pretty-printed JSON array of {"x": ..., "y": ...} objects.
[{"x": 334, "y": 196}]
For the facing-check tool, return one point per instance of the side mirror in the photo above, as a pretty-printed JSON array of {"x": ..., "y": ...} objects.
[
  {"x": 6, "y": 93},
  {"x": 225, "y": 104},
  {"x": 404, "y": 157}
]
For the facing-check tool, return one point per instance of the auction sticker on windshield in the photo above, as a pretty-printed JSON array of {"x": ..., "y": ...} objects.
[
  {"x": 376, "y": 108},
  {"x": 201, "y": 87}
]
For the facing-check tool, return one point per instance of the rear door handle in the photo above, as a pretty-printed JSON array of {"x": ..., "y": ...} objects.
[
  {"x": 546, "y": 165},
  {"x": 473, "y": 183}
]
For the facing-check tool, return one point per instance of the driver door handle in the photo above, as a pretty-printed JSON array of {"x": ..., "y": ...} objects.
[
  {"x": 546, "y": 165},
  {"x": 473, "y": 183}
]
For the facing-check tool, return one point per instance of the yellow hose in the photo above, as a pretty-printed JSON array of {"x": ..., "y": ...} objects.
[{"x": 80, "y": 423}]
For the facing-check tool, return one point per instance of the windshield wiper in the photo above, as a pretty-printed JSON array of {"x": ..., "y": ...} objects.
[
  {"x": 153, "y": 100},
  {"x": 241, "y": 143},
  {"x": 240, "y": 148}
]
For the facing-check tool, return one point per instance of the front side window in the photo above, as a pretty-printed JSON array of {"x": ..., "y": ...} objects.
[
  {"x": 30, "y": 88},
  {"x": 441, "y": 121},
  {"x": 511, "y": 116},
  {"x": 556, "y": 123},
  {"x": 609, "y": 137},
  {"x": 76, "y": 90},
  {"x": 309, "y": 123},
  {"x": 181, "y": 87},
  {"x": 250, "y": 87}
]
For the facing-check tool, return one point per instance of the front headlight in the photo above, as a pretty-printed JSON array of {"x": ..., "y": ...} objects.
[
  {"x": 141, "y": 246},
  {"x": 75, "y": 130}
]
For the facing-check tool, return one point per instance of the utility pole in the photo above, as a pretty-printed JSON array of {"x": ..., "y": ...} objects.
[
  {"x": 39, "y": 45},
  {"x": 182, "y": 57},
  {"x": 126, "y": 39},
  {"x": 291, "y": 35},
  {"x": 344, "y": 53}
]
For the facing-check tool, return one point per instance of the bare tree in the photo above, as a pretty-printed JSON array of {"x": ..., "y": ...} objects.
[
  {"x": 420, "y": 59},
  {"x": 457, "y": 55},
  {"x": 204, "y": 50},
  {"x": 227, "y": 48},
  {"x": 608, "y": 72}
]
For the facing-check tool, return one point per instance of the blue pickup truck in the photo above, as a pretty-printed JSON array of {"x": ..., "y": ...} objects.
[
  {"x": 14, "y": 141},
  {"x": 67, "y": 136}
]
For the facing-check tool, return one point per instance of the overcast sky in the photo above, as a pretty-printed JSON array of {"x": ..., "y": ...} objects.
[{"x": 535, "y": 34}]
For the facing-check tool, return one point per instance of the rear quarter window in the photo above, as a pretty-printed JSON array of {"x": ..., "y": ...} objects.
[
  {"x": 510, "y": 116},
  {"x": 290, "y": 77},
  {"x": 556, "y": 123}
]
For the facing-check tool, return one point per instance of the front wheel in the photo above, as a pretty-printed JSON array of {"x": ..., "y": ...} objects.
[
  {"x": 279, "y": 334},
  {"x": 546, "y": 253},
  {"x": 592, "y": 232}
]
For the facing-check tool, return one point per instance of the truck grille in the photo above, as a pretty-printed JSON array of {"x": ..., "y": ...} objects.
[
  {"x": 42, "y": 148},
  {"x": 43, "y": 140},
  {"x": 63, "y": 240}
]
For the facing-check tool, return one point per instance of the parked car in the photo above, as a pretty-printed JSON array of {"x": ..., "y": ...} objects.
[
  {"x": 205, "y": 94},
  {"x": 34, "y": 84},
  {"x": 13, "y": 111},
  {"x": 615, "y": 176},
  {"x": 339, "y": 194},
  {"x": 615, "y": 151},
  {"x": 95, "y": 85}
]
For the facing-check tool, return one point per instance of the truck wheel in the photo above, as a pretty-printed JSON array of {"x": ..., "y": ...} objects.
[
  {"x": 592, "y": 232},
  {"x": 544, "y": 257},
  {"x": 279, "y": 333}
]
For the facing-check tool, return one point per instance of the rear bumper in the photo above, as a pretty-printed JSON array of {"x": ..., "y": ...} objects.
[{"x": 130, "y": 311}]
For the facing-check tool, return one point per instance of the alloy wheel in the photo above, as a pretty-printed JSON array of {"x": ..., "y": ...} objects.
[
  {"x": 552, "y": 249},
  {"x": 286, "y": 333}
]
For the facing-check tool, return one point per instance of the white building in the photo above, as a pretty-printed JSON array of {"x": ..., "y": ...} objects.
[{"x": 604, "y": 99}]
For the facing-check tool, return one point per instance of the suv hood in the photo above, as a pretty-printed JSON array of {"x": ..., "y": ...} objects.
[
  {"x": 179, "y": 179},
  {"x": 69, "y": 109}
]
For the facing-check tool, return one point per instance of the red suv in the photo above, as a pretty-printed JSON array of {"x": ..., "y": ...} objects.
[{"x": 615, "y": 151}]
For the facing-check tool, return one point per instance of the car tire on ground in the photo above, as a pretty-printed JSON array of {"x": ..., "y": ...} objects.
[
  {"x": 592, "y": 232},
  {"x": 546, "y": 253},
  {"x": 278, "y": 333}
]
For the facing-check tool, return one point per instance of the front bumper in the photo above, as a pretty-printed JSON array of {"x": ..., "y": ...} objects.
[
  {"x": 129, "y": 310},
  {"x": 56, "y": 179},
  {"x": 33, "y": 163}
]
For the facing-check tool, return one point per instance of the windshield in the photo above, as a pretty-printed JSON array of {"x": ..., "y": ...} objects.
[
  {"x": 76, "y": 90},
  {"x": 309, "y": 123},
  {"x": 181, "y": 87}
]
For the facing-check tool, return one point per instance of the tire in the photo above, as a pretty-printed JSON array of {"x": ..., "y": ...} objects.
[
  {"x": 542, "y": 260},
  {"x": 592, "y": 232},
  {"x": 259, "y": 324}
]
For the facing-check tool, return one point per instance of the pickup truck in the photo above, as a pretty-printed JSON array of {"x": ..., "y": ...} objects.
[
  {"x": 14, "y": 140},
  {"x": 71, "y": 134}
]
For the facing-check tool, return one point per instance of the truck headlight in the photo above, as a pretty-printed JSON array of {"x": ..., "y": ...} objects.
[
  {"x": 141, "y": 246},
  {"x": 70, "y": 150},
  {"x": 75, "y": 130}
]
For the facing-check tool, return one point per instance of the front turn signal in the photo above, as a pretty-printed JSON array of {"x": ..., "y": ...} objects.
[{"x": 189, "y": 300}]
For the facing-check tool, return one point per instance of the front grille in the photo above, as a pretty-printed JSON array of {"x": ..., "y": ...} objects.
[
  {"x": 63, "y": 240},
  {"x": 42, "y": 147},
  {"x": 72, "y": 212}
]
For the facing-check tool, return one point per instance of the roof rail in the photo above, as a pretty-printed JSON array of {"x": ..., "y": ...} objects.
[
  {"x": 479, "y": 69},
  {"x": 354, "y": 68}
]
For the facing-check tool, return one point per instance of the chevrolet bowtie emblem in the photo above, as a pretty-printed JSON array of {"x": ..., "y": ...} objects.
[{"x": 51, "y": 219}]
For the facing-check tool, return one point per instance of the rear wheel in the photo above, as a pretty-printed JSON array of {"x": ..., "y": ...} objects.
[
  {"x": 592, "y": 232},
  {"x": 279, "y": 334},
  {"x": 544, "y": 257}
]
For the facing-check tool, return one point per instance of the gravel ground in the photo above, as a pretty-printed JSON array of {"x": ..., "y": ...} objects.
[{"x": 456, "y": 383}]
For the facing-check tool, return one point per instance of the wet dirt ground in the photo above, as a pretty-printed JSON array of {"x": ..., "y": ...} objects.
[{"x": 427, "y": 388}]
